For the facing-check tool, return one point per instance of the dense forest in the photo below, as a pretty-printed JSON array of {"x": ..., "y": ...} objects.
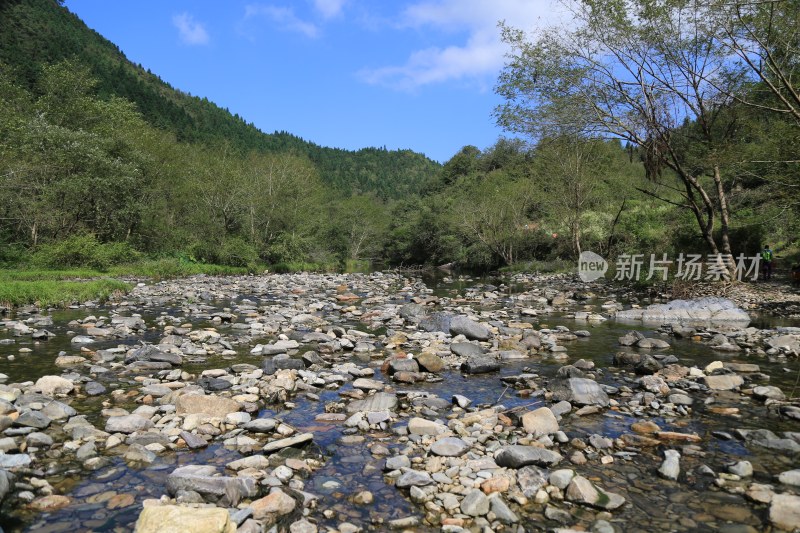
[{"x": 653, "y": 127}]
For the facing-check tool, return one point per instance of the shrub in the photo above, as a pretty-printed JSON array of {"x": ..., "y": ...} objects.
[{"x": 83, "y": 250}]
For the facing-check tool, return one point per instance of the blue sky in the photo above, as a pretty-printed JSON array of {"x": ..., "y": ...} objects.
[{"x": 340, "y": 73}]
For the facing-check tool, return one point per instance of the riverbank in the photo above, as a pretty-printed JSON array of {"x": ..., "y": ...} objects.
[{"x": 339, "y": 402}]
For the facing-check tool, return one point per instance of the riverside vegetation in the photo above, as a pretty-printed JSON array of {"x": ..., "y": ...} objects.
[
  {"x": 102, "y": 163},
  {"x": 152, "y": 373}
]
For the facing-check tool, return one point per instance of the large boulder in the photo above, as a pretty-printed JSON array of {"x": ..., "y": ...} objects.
[
  {"x": 697, "y": 311},
  {"x": 784, "y": 511},
  {"x": 540, "y": 422},
  {"x": 128, "y": 424},
  {"x": 581, "y": 490},
  {"x": 580, "y": 391},
  {"x": 462, "y": 325},
  {"x": 480, "y": 365},
  {"x": 203, "y": 480},
  {"x": 177, "y": 519}
]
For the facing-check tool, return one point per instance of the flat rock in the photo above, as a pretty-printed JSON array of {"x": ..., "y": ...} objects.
[
  {"x": 466, "y": 349},
  {"x": 449, "y": 447},
  {"x": 207, "y": 404},
  {"x": 480, "y": 365},
  {"x": 380, "y": 401},
  {"x": 276, "y": 503},
  {"x": 724, "y": 381},
  {"x": 517, "y": 456},
  {"x": 422, "y": 426},
  {"x": 413, "y": 478},
  {"x": 177, "y": 519},
  {"x": 127, "y": 424},
  {"x": 294, "y": 440},
  {"x": 475, "y": 503}
]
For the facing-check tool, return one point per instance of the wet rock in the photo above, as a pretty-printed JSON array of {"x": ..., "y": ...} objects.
[
  {"x": 531, "y": 479},
  {"x": 261, "y": 425},
  {"x": 174, "y": 518},
  {"x": 517, "y": 456},
  {"x": 462, "y": 401},
  {"x": 449, "y": 447},
  {"x": 436, "y": 322},
  {"x": 670, "y": 468},
  {"x": 378, "y": 402},
  {"x": 462, "y": 325},
  {"x": 480, "y": 365},
  {"x": 501, "y": 510},
  {"x": 561, "y": 478},
  {"x": 580, "y": 391},
  {"x": 137, "y": 453},
  {"x": 581, "y": 490},
  {"x": 94, "y": 388},
  {"x": 32, "y": 419}
]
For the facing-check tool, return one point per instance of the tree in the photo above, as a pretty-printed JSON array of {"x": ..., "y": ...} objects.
[
  {"x": 573, "y": 176},
  {"x": 634, "y": 70},
  {"x": 764, "y": 38}
]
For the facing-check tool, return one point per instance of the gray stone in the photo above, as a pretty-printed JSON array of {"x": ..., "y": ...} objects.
[
  {"x": 403, "y": 364},
  {"x": 501, "y": 510},
  {"x": 741, "y": 469},
  {"x": 517, "y": 456},
  {"x": 261, "y": 425},
  {"x": 127, "y": 424},
  {"x": 202, "y": 479},
  {"x": 94, "y": 388},
  {"x": 581, "y": 490},
  {"x": 561, "y": 478},
  {"x": 475, "y": 503},
  {"x": 380, "y": 401},
  {"x": 580, "y": 391},
  {"x": 531, "y": 479},
  {"x": 466, "y": 349},
  {"x": 32, "y": 419},
  {"x": 480, "y": 365},
  {"x": 462, "y": 325},
  {"x": 415, "y": 478},
  {"x": 14, "y": 460},
  {"x": 397, "y": 462},
  {"x": 698, "y": 311},
  {"x": 193, "y": 442},
  {"x": 422, "y": 426},
  {"x": 449, "y": 447},
  {"x": 295, "y": 440}
]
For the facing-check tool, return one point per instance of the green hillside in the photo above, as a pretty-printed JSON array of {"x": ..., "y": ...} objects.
[{"x": 34, "y": 33}]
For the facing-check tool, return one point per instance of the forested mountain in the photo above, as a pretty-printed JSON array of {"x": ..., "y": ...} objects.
[{"x": 34, "y": 33}]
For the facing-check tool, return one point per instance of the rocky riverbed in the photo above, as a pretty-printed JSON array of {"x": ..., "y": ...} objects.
[{"x": 381, "y": 401}]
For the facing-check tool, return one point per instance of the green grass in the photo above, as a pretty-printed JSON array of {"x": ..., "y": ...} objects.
[
  {"x": 48, "y": 293},
  {"x": 302, "y": 266},
  {"x": 169, "y": 268}
]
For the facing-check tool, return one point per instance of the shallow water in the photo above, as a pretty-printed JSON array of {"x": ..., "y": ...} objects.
[{"x": 689, "y": 505}]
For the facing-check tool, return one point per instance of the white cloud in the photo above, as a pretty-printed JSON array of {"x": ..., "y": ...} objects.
[
  {"x": 189, "y": 30},
  {"x": 284, "y": 17},
  {"x": 479, "y": 58},
  {"x": 329, "y": 8}
]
